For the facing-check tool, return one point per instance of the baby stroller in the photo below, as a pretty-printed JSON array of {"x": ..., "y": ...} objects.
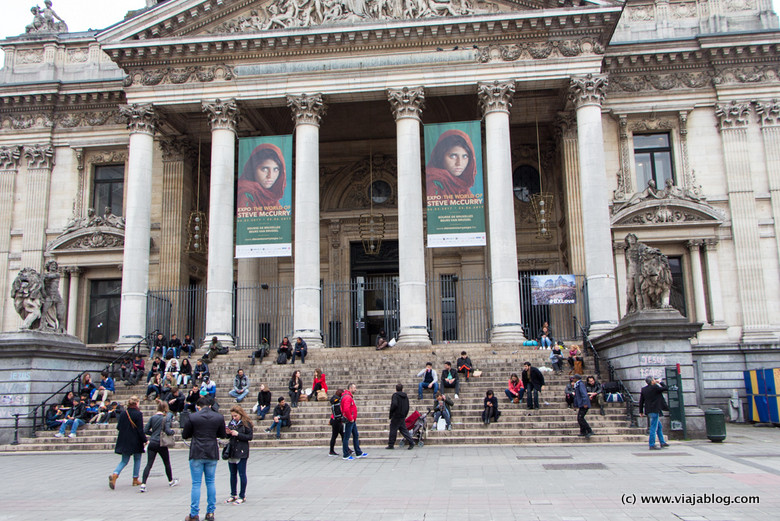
[{"x": 416, "y": 426}]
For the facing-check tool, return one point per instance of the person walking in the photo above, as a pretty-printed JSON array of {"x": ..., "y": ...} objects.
[
  {"x": 240, "y": 430},
  {"x": 533, "y": 381},
  {"x": 130, "y": 441},
  {"x": 336, "y": 421},
  {"x": 399, "y": 410},
  {"x": 582, "y": 403},
  {"x": 651, "y": 401},
  {"x": 203, "y": 427},
  {"x": 349, "y": 411},
  {"x": 159, "y": 422}
]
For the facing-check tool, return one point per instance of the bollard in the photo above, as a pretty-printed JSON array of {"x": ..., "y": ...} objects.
[{"x": 16, "y": 429}]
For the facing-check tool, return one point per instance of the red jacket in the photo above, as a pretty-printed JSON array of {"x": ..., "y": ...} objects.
[
  {"x": 515, "y": 389},
  {"x": 321, "y": 381},
  {"x": 348, "y": 407}
]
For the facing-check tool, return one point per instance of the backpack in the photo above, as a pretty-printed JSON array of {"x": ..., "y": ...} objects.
[
  {"x": 282, "y": 358},
  {"x": 335, "y": 407}
]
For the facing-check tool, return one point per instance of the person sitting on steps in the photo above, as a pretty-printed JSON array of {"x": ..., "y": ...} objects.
[
  {"x": 430, "y": 380},
  {"x": 575, "y": 355},
  {"x": 594, "y": 393},
  {"x": 263, "y": 402},
  {"x": 449, "y": 378},
  {"x": 556, "y": 358},
  {"x": 545, "y": 336},
  {"x": 381, "y": 340},
  {"x": 515, "y": 389},
  {"x": 296, "y": 386},
  {"x": 490, "y": 411},
  {"x": 284, "y": 351},
  {"x": 464, "y": 364},
  {"x": 318, "y": 384},
  {"x": 240, "y": 386},
  {"x": 261, "y": 352},
  {"x": 442, "y": 409},
  {"x": 300, "y": 349},
  {"x": 281, "y": 418}
]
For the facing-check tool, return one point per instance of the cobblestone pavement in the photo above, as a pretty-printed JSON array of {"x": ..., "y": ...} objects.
[{"x": 560, "y": 482}]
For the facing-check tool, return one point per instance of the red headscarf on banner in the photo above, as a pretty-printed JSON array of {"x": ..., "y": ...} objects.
[
  {"x": 438, "y": 180},
  {"x": 250, "y": 192}
]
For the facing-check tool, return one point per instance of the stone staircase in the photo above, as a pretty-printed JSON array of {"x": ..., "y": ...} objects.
[{"x": 376, "y": 373}]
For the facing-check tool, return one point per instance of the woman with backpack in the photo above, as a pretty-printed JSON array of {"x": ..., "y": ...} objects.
[
  {"x": 159, "y": 422},
  {"x": 336, "y": 423}
]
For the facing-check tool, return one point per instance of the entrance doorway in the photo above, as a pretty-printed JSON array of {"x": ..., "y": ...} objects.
[{"x": 375, "y": 298}]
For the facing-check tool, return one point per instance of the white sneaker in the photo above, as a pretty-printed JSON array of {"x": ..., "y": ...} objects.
[
  {"x": 174, "y": 482},
  {"x": 456, "y": 396},
  {"x": 58, "y": 435},
  {"x": 143, "y": 487},
  {"x": 72, "y": 435}
]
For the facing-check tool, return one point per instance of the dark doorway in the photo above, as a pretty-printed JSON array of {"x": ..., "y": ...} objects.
[{"x": 374, "y": 301}]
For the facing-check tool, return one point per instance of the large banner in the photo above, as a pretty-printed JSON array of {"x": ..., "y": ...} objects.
[
  {"x": 454, "y": 188},
  {"x": 264, "y": 197},
  {"x": 548, "y": 290}
]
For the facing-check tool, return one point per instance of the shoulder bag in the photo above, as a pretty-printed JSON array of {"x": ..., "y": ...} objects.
[{"x": 166, "y": 440}]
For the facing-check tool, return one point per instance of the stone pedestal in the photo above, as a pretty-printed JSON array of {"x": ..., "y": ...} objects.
[
  {"x": 34, "y": 364},
  {"x": 644, "y": 344}
]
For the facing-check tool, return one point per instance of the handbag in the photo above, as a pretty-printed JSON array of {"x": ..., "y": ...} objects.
[
  {"x": 167, "y": 440},
  {"x": 303, "y": 397},
  {"x": 322, "y": 396},
  {"x": 441, "y": 425},
  {"x": 228, "y": 450},
  {"x": 613, "y": 398}
]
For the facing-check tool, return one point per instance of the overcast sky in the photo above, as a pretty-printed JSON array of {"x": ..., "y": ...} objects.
[{"x": 80, "y": 15}]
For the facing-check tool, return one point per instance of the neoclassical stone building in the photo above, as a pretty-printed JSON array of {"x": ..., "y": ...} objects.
[{"x": 652, "y": 117}]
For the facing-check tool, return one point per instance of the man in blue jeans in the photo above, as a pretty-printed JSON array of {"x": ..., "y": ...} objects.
[
  {"x": 349, "y": 412},
  {"x": 204, "y": 427},
  {"x": 651, "y": 401}
]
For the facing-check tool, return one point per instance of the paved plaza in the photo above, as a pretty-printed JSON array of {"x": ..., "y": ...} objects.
[{"x": 566, "y": 483}]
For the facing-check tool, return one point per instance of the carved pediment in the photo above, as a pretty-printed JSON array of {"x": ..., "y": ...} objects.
[
  {"x": 91, "y": 233},
  {"x": 667, "y": 211}
]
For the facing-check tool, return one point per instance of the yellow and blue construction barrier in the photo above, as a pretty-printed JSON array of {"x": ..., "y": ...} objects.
[{"x": 763, "y": 400}]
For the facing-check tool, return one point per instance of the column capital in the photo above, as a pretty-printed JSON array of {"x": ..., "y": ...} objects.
[
  {"x": 732, "y": 115},
  {"x": 406, "y": 102},
  {"x": 768, "y": 113},
  {"x": 307, "y": 109},
  {"x": 10, "y": 157},
  {"x": 39, "y": 157},
  {"x": 566, "y": 125},
  {"x": 222, "y": 115},
  {"x": 619, "y": 246},
  {"x": 588, "y": 90},
  {"x": 74, "y": 271},
  {"x": 141, "y": 119},
  {"x": 176, "y": 148},
  {"x": 694, "y": 244},
  {"x": 495, "y": 96},
  {"x": 711, "y": 244}
]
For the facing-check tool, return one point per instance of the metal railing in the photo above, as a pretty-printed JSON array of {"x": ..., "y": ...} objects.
[
  {"x": 177, "y": 310},
  {"x": 261, "y": 311},
  {"x": 588, "y": 345},
  {"x": 627, "y": 396},
  {"x": 74, "y": 385}
]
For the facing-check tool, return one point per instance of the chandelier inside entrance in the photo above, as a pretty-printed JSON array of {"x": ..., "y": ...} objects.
[
  {"x": 371, "y": 224},
  {"x": 543, "y": 201},
  {"x": 197, "y": 226}
]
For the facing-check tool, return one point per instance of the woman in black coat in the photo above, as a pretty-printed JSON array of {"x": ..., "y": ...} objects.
[
  {"x": 129, "y": 441},
  {"x": 240, "y": 431},
  {"x": 490, "y": 412},
  {"x": 295, "y": 385}
]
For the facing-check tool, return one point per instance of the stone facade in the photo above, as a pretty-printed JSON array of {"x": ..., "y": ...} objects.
[{"x": 566, "y": 91}]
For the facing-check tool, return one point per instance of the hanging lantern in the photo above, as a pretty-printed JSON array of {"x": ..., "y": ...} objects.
[
  {"x": 197, "y": 226},
  {"x": 372, "y": 231},
  {"x": 543, "y": 210}
]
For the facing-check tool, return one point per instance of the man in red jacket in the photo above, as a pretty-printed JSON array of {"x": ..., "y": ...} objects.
[{"x": 349, "y": 412}]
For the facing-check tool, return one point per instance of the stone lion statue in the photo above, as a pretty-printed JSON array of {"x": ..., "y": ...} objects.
[
  {"x": 655, "y": 280},
  {"x": 27, "y": 292}
]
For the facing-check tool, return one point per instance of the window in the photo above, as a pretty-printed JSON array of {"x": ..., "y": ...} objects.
[
  {"x": 677, "y": 293},
  {"x": 449, "y": 307},
  {"x": 653, "y": 159},
  {"x": 525, "y": 182},
  {"x": 109, "y": 189},
  {"x": 105, "y": 298}
]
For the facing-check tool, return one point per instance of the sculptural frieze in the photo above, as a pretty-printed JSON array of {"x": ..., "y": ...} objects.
[
  {"x": 179, "y": 75},
  {"x": 37, "y": 299},
  {"x": 747, "y": 74},
  {"x": 25, "y": 121},
  {"x": 46, "y": 21},
  {"x": 651, "y": 82},
  {"x": 92, "y": 220},
  {"x": 89, "y": 119},
  {"x": 284, "y": 14},
  {"x": 539, "y": 50},
  {"x": 649, "y": 277},
  {"x": 668, "y": 194}
]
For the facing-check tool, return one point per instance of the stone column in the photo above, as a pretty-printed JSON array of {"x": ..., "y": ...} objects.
[
  {"x": 247, "y": 300},
  {"x": 142, "y": 123},
  {"x": 734, "y": 120},
  {"x": 407, "y": 104},
  {"x": 496, "y": 100},
  {"x": 619, "y": 249},
  {"x": 307, "y": 111},
  {"x": 223, "y": 119},
  {"x": 769, "y": 120},
  {"x": 587, "y": 93},
  {"x": 699, "y": 298},
  {"x": 40, "y": 161},
  {"x": 175, "y": 154},
  {"x": 73, "y": 300},
  {"x": 9, "y": 167},
  {"x": 713, "y": 282},
  {"x": 566, "y": 124}
]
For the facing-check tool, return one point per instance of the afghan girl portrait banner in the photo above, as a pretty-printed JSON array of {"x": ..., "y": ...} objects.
[
  {"x": 454, "y": 189},
  {"x": 264, "y": 197}
]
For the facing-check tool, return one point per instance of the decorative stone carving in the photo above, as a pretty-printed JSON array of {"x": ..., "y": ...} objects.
[
  {"x": 649, "y": 277},
  {"x": 307, "y": 109},
  {"x": 97, "y": 240},
  {"x": 26, "y": 121},
  {"x": 39, "y": 157},
  {"x": 176, "y": 149},
  {"x": 731, "y": 6},
  {"x": 179, "y": 75},
  {"x": 78, "y": 55},
  {"x": 624, "y": 184},
  {"x": 748, "y": 74},
  {"x": 732, "y": 115},
  {"x": 140, "y": 118},
  {"x": 768, "y": 113},
  {"x": 643, "y": 13},
  {"x": 406, "y": 102},
  {"x": 670, "y": 191},
  {"x": 539, "y": 50},
  {"x": 10, "y": 157},
  {"x": 37, "y": 298},
  {"x": 222, "y": 114},
  {"x": 566, "y": 125},
  {"x": 496, "y": 96},
  {"x": 27, "y": 56},
  {"x": 588, "y": 90},
  {"x": 89, "y": 119},
  {"x": 651, "y": 82},
  {"x": 93, "y": 221},
  {"x": 689, "y": 175},
  {"x": 334, "y": 233},
  {"x": 108, "y": 157},
  {"x": 282, "y": 14}
]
